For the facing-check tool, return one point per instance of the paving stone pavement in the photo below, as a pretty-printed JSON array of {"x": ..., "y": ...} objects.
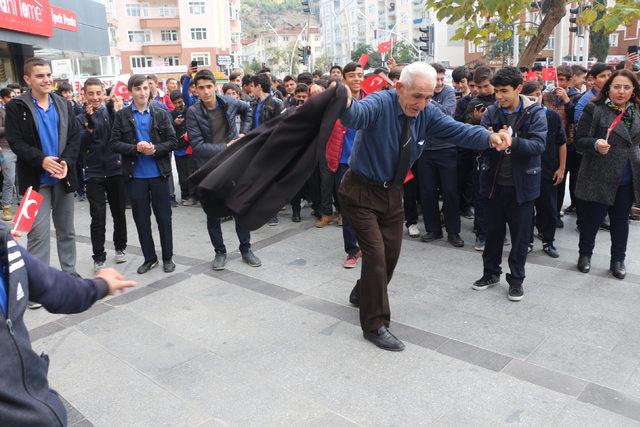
[{"x": 280, "y": 345}]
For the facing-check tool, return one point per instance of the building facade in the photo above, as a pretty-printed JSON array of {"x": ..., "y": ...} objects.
[{"x": 164, "y": 36}]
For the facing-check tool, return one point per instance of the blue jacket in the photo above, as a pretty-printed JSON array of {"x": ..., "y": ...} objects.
[
  {"x": 199, "y": 129},
  {"x": 100, "y": 160},
  {"x": 25, "y": 396},
  {"x": 529, "y": 142},
  {"x": 379, "y": 119}
]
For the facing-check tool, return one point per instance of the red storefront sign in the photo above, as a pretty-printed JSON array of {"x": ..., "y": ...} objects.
[
  {"x": 64, "y": 19},
  {"x": 27, "y": 16}
]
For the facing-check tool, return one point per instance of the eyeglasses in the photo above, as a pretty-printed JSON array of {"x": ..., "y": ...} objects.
[{"x": 622, "y": 88}]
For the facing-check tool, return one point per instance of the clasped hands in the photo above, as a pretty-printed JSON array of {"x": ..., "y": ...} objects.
[
  {"x": 500, "y": 140},
  {"x": 56, "y": 169},
  {"x": 146, "y": 148}
]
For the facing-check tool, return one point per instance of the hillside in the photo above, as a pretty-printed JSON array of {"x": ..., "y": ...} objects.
[{"x": 255, "y": 14}]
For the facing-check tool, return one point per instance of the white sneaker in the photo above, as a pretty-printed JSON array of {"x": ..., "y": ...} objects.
[
  {"x": 97, "y": 265},
  {"x": 121, "y": 256},
  {"x": 414, "y": 231}
]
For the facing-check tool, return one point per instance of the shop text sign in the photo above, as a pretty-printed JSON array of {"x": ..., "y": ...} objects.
[
  {"x": 27, "y": 16},
  {"x": 64, "y": 19}
]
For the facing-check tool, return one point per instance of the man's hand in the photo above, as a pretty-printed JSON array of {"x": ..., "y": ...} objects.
[
  {"x": 478, "y": 112},
  {"x": 50, "y": 164},
  {"x": 142, "y": 146},
  {"x": 178, "y": 121},
  {"x": 192, "y": 70},
  {"x": 500, "y": 140},
  {"x": 631, "y": 59},
  {"x": 602, "y": 146},
  {"x": 62, "y": 174},
  {"x": 118, "y": 103},
  {"x": 89, "y": 110},
  {"x": 114, "y": 280},
  {"x": 563, "y": 95},
  {"x": 149, "y": 150},
  {"x": 558, "y": 177},
  {"x": 391, "y": 62}
]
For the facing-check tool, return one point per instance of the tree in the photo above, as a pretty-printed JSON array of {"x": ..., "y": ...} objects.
[
  {"x": 403, "y": 53},
  {"x": 479, "y": 21},
  {"x": 323, "y": 63},
  {"x": 599, "y": 40},
  {"x": 375, "y": 60},
  {"x": 252, "y": 67},
  {"x": 502, "y": 50}
]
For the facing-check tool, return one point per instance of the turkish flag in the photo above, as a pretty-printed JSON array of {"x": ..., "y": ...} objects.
[
  {"x": 120, "y": 88},
  {"x": 531, "y": 75},
  {"x": 26, "y": 214},
  {"x": 409, "y": 177},
  {"x": 385, "y": 46},
  {"x": 373, "y": 83},
  {"x": 364, "y": 60},
  {"x": 549, "y": 73}
]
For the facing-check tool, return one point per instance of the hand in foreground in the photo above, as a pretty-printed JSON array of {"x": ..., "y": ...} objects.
[
  {"x": 50, "y": 164},
  {"x": 602, "y": 146},
  {"x": 115, "y": 280},
  {"x": 500, "y": 140},
  {"x": 63, "y": 173},
  {"x": 349, "y": 95},
  {"x": 558, "y": 177}
]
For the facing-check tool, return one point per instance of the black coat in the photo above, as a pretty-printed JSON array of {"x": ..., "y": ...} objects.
[
  {"x": 255, "y": 177},
  {"x": 100, "y": 160},
  {"x": 163, "y": 137},
  {"x": 22, "y": 135}
]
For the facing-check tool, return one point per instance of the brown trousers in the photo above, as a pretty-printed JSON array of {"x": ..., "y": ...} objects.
[{"x": 376, "y": 214}]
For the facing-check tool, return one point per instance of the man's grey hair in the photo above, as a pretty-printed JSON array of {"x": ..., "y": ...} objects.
[{"x": 417, "y": 69}]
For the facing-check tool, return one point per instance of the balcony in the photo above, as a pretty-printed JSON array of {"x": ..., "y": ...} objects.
[
  {"x": 159, "y": 17},
  {"x": 162, "y": 48}
]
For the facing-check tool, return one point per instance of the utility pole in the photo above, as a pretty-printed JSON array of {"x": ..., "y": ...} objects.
[{"x": 516, "y": 45}]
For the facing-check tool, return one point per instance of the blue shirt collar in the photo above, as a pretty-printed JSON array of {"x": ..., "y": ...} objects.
[
  {"x": 506, "y": 112},
  {"x": 135, "y": 109},
  {"x": 35, "y": 101}
]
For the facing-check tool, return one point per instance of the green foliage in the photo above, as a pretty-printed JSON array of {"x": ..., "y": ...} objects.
[
  {"x": 323, "y": 63},
  {"x": 403, "y": 53},
  {"x": 375, "y": 60},
  {"x": 599, "y": 40},
  {"x": 252, "y": 67}
]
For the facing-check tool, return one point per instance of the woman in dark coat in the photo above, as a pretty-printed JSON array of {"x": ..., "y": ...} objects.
[{"x": 608, "y": 135}]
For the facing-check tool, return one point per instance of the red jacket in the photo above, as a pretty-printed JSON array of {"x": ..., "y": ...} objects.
[{"x": 336, "y": 141}]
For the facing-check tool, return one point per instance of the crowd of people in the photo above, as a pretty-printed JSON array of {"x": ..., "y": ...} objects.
[{"x": 496, "y": 147}]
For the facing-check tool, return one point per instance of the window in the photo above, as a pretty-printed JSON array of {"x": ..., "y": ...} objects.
[
  {"x": 198, "y": 34},
  {"x": 196, "y": 8},
  {"x": 285, "y": 38},
  {"x": 201, "y": 58},
  {"x": 113, "y": 36},
  {"x": 233, "y": 12},
  {"x": 139, "y": 10},
  {"x": 550, "y": 43},
  {"x": 613, "y": 39},
  {"x": 169, "y": 35},
  {"x": 172, "y": 60},
  {"x": 472, "y": 47},
  {"x": 168, "y": 11},
  {"x": 141, "y": 61},
  {"x": 316, "y": 38},
  {"x": 139, "y": 36}
]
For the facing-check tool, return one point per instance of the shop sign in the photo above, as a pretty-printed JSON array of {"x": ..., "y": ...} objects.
[
  {"x": 64, "y": 19},
  {"x": 27, "y": 16}
]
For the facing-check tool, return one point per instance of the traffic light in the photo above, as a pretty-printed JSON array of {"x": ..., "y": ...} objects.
[
  {"x": 302, "y": 52},
  {"x": 573, "y": 19},
  {"x": 427, "y": 39},
  {"x": 305, "y": 6}
]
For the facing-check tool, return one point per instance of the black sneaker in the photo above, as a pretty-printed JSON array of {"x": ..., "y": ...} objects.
[
  {"x": 430, "y": 236},
  {"x": 455, "y": 240},
  {"x": 144, "y": 268},
  {"x": 515, "y": 292},
  {"x": 570, "y": 210},
  {"x": 168, "y": 266},
  {"x": 296, "y": 217},
  {"x": 479, "y": 246},
  {"x": 467, "y": 213},
  {"x": 219, "y": 262},
  {"x": 530, "y": 248},
  {"x": 559, "y": 223},
  {"x": 249, "y": 258},
  {"x": 486, "y": 282},
  {"x": 550, "y": 250}
]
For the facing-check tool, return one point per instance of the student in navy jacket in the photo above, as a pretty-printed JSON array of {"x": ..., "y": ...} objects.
[
  {"x": 25, "y": 396},
  {"x": 510, "y": 180}
]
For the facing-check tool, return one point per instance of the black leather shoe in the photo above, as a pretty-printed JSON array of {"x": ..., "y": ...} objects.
[
  {"x": 605, "y": 226},
  {"x": 219, "y": 262},
  {"x": 618, "y": 269},
  {"x": 550, "y": 250},
  {"x": 431, "y": 236},
  {"x": 354, "y": 298},
  {"x": 144, "y": 268},
  {"x": 455, "y": 240},
  {"x": 584, "y": 263},
  {"x": 384, "y": 339},
  {"x": 250, "y": 258},
  {"x": 168, "y": 266}
]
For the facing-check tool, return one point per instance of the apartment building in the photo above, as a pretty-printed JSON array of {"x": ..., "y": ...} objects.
[
  {"x": 348, "y": 23},
  {"x": 164, "y": 36}
]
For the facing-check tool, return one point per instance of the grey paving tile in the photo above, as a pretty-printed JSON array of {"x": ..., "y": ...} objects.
[
  {"x": 330, "y": 419},
  {"x": 81, "y": 369},
  {"x": 73, "y": 415},
  {"x": 82, "y": 423},
  {"x": 131, "y": 295},
  {"x": 582, "y": 414},
  {"x": 170, "y": 280},
  {"x": 45, "y": 330},
  {"x": 74, "y": 319},
  {"x": 545, "y": 378},
  {"x": 574, "y": 358},
  {"x": 347, "y": 314},
  {"x": 475, "y": 355},
  {"x": 611, "y": 400},
  {"x": 145, "y": 345}
]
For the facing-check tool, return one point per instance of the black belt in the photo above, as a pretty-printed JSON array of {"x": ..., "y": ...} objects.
[{"x": 367, "y": 181}]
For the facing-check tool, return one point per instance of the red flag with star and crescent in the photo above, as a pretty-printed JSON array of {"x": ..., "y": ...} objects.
[
  {"x": 120, "y": 87},
  {"x": 373, "y": 83},
  {"x": 385, "y": 46},
  {"x": 26, "y": 214}
]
